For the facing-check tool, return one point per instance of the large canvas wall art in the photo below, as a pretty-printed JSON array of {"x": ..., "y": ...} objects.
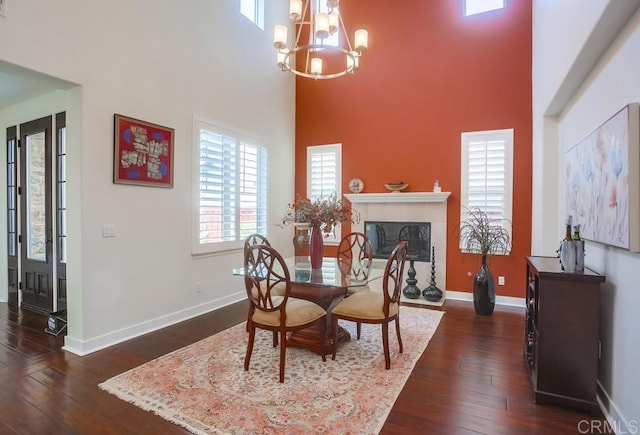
[{"x": 603, "y": 182}]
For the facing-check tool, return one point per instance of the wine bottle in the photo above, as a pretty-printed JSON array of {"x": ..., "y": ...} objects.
[
  {"x": 567, "y": 234},
  {"x": 576, "y": 232}
]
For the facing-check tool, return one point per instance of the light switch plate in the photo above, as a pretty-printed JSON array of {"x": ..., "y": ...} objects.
[
  {"x": 501, "y": 280},
  {"x": 108, "y": 230}
]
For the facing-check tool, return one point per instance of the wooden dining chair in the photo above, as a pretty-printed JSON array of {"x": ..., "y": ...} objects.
[
  {"x": 266, "y": 271},
  {"x": 355, "y": 255},
  {"x": 255, "y": 239},
  {"x": 251, "y": 240},
  {"x": 377, "y": 307}
]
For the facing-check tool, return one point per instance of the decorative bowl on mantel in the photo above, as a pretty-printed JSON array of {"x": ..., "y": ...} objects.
[{"x": 396, "y": 187}]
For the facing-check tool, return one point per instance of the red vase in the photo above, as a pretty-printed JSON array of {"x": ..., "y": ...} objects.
[{"x": 316, "y": 247}]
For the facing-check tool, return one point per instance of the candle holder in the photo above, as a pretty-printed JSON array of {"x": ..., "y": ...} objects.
[
  {"x": 432, "y": 293},
  {"x": 411, "y": 291}
]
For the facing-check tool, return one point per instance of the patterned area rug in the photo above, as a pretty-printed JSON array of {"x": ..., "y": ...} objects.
[{"x": 204, "y": 388}]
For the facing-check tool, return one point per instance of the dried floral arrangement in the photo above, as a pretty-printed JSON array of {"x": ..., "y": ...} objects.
[
  {"x": 482, "y": 234},
  {"x": 326, "y": 212}
]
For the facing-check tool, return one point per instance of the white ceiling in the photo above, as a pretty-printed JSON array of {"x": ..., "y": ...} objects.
[{"x": 19, "y": 84}]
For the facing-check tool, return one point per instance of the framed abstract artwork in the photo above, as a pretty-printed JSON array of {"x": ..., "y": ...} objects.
[
  {"x": 143, "y": 153},
  {"x": 603, "y": 181}
]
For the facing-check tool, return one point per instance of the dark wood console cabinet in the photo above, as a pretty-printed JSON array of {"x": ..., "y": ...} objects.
[{"x": 561, "y": 343}]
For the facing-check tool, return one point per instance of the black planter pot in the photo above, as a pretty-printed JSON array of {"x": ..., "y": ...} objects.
[{"x": 484, "y": 290}]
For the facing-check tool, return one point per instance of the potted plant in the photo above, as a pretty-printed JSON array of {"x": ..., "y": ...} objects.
[
  {"x": 322, "y": 215},
  {"x": 484, "y": 235}
]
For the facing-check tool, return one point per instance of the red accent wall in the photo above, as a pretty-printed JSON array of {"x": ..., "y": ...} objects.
[{"x": 429, "y": 74}]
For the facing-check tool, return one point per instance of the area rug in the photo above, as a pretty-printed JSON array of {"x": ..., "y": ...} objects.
[{"x": 204, "y": 388}]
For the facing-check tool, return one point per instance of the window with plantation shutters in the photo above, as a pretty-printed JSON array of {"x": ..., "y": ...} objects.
[
  {"x": 324, "y": 175},
  {"x": 232, "y": 189},
  {"x": 487, "y": 174}
]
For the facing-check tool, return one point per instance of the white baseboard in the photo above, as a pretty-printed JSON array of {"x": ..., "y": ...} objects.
[
  {"x": 616, "y": 420},
  {"x": 82, "y": 348},
  {"x": 500, "y": 300}
]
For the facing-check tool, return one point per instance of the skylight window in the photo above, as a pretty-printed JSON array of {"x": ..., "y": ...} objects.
[
  {"x": 253, "y": 10},
  {"x": 472, "y": 7}
]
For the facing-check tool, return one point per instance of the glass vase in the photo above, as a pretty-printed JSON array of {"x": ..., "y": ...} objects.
[{"x": 301, "y": 242}]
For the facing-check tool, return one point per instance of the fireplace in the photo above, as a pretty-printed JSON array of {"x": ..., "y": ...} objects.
[
  {"x": 416, "y": 208},
  {"x": 384, "y": 236}
]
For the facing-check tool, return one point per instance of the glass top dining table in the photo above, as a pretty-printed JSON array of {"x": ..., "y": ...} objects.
[
  {"x": 326, "y": 287},
  {"x": 329, "y": 275}
]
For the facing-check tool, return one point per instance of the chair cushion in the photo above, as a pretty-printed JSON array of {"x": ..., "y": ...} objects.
[
  {"x": 357, "y": 289},
  {"x": 278, "y": 290},
  {"x": 365, "y": 305},
  {"x": 299, "y": 312}
]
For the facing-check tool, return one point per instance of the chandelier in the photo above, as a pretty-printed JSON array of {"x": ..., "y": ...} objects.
[{"x": 322, "y": 59}]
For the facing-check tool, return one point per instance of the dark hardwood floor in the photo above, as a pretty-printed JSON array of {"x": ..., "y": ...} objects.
[{"x": 471, "y": 379}]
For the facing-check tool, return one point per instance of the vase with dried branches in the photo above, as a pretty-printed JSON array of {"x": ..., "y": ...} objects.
[
  {"x": 322, "y": 215},
  {"x": 481, "y": 234}
]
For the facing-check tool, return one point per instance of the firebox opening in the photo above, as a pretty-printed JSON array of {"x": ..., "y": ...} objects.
[{"x": 385, "y": 235}]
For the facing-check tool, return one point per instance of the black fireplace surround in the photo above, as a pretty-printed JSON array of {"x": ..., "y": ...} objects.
[{"x": 385, "y": 236}]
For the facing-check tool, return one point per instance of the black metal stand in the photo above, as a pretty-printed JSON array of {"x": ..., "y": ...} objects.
[
  {"x": 411, "y": 291},
  {"x": 432, "y": 293}
]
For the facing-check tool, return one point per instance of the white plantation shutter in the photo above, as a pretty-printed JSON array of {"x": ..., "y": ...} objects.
[
  {"x": 486, "y": 176},
  {"x": 487, "y": 173},
  {"x": 324, "y": 175},
  {"x": 232, "y": 193},
  {"x": 253, "y": 190}
]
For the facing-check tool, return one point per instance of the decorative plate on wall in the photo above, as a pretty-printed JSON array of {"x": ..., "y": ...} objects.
[{"x": 356, "y": 185}]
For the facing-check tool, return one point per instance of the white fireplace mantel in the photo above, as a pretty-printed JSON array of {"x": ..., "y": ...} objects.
[{"x": 397, "y": 197}]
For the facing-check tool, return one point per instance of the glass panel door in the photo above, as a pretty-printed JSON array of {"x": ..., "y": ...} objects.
[
  {"x": 36, "y": 195},
  {"x": 36, "y": 215}
]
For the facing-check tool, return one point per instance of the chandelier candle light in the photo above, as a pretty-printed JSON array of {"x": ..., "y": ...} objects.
[{"x": 321, "y": 24}]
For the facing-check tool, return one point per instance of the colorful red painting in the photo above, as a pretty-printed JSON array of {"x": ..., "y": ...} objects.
[{"x": 143, "y": 153}]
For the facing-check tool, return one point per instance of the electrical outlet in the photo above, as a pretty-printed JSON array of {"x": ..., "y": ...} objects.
[
  {"x": 501, "y": 280},
  {"x": 108, "y": 230},
  {"x": 198, "y": 287},
  {"x": 3, "y": 8}
]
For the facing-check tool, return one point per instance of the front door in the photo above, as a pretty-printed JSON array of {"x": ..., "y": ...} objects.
[{"x": 36, "y": 229}]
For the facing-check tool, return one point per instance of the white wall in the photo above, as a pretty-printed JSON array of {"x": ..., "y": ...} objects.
[
  {"x": 555, "y": 51},
  {"x": 611, "y": 85},
  {"x": 162, "y": 62}
]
